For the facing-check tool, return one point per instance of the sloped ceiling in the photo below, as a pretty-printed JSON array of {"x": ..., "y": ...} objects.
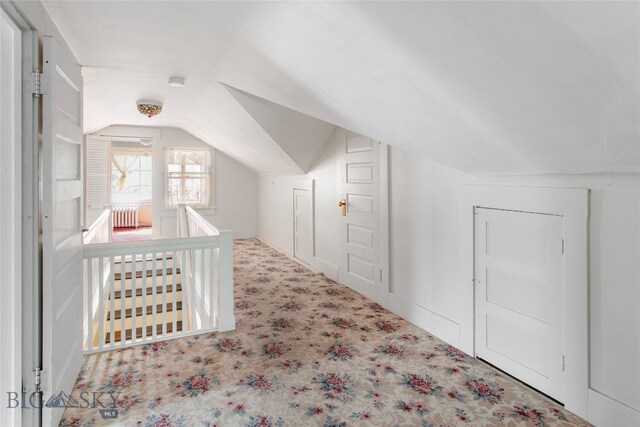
[
  {"x": 485, "y": 87},
  {"x": 206, "y": 110},
  {"x": 302, "y": 137}
]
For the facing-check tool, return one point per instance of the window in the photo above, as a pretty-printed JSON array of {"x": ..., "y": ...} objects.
[
  {"x": 131, "y": 175},
  {"x": 188, "y": 176}
]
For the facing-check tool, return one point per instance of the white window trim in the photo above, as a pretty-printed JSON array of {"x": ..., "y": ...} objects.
[
  {"x": 211, "y": 204},
  {"x": 114, "y": 152}
]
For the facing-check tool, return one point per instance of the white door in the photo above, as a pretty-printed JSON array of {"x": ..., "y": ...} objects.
[
  {"x": 97, "y": 177},
  {"x": 302, "y": 225},
  {"x": 519, "y": 296},
  {"x": 62, "y": 224},
  {"x": 362, "y": 244}
]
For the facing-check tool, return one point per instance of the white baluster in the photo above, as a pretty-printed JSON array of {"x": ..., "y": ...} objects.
[
  {"x": 164, "y": 293},
  {"x": 183, "y": 278},
  {"x": 143, "y": 303},
  {"x": 88, "y": 345},
  {"x": 226, "y": 319},
  {"x": 202, "y": 286},
  {"x": 134, "y": 274},
  {"x": 213, "y": 289},
  {"x": 174, "y": 285},
  {"x": 100, "y": 303},
  {"x": 154, "y": 282},
  {"x": 192, "y": 289},
  {"x": 112, "y": 308},
  {"x": 123, "y": 286}
]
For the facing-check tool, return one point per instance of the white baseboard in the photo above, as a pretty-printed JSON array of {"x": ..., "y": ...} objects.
[
  {"x": 318, "y": 265},
  {"x": 272, "y": 246},
  {"x": 328, "y": 269},
  {"x": 244, "y": 234},
  {"x": 288, "y": 255},
  {"x": 607, "y": 412},
  {"x": 439, "y": 326}
]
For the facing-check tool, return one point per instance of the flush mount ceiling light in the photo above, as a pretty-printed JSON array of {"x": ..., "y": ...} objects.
[
  {"x": 176, "y": 81},
  {"x": 149, "y": 108}
]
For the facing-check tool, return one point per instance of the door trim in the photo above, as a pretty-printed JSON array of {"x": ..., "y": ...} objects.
[
  {"x": 11, "y": 224},
  {"x": 384, "y": 222},
  {"x": 31, "y": 222},
  {"x": 305, "y": 184},
  {"x": 573, "y": 205},
  {"x": 312, "y": 219}
]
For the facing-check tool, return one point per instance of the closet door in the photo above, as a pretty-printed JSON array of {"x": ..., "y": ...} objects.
[
  {"x": 302, "y": 225},
  {"x": 520, "y": 296}
]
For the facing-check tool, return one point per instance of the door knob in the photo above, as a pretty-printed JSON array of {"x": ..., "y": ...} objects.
[{"x": 343, "y": 204}]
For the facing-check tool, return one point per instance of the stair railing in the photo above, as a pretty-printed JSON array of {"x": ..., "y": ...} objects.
[
  {"x": 191, "y": 224},
  {"x": 100, "y": 230},
  {"x": 141, "y": 292},
  {"x": 96, "y": 274}
]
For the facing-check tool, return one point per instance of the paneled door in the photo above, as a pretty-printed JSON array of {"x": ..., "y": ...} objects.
[
  {"x": 519, "y": 296},
  {"x": 302, "y": 225},
  {"x": 362, "y": 259},
  {"x": 62, "y": 224}
]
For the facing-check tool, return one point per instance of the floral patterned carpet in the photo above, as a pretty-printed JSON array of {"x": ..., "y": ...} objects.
[{"x": 306, "y": 352}]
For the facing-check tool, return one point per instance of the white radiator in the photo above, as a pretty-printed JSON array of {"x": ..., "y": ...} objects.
[{"x": 125, "y": 216}]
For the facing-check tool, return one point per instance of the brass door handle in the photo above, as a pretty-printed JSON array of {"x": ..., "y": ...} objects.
[{"x": 343, "y": 204}]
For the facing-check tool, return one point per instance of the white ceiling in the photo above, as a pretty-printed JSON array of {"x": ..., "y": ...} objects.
[
  {"x": 302, "y": 137},
  {"x": 484, "y": 87}
]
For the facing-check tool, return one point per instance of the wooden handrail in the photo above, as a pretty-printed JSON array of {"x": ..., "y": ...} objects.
[
  {"x": 102, "y": 221},
  {"x": 150, "y": 246},
  {"x": 199, "y": 221}
]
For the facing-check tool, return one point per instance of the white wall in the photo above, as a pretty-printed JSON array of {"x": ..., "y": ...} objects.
[
  {"x": 615, "y": 288},
  {"x": 425, "y": 212},
  {"x": 234, "y": 204},
  {"x": 425, "y": 251},
  {"x": 276, "y": 209},
  {"x": 424, "y": 228}
]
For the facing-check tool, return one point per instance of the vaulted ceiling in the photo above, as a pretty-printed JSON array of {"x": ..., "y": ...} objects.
[{"x": 485, "y": 87}]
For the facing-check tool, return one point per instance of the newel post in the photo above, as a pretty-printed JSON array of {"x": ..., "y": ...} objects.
[
  {"x": 181, "y": 222},
  {"x": 226, "y": 316}
]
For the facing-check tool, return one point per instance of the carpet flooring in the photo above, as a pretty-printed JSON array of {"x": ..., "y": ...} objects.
[{"x": 306, "y": 352}]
